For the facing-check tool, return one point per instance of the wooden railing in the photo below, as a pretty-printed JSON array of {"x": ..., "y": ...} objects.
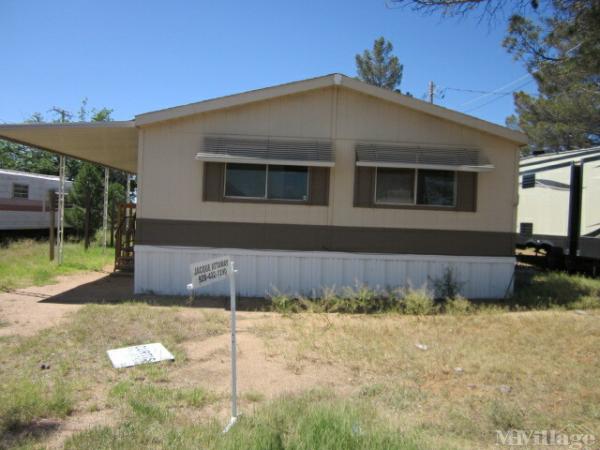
[{"x": 125, "y": 238}]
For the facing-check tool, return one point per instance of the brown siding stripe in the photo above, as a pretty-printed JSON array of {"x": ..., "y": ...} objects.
[
  {"x": 322, "y": 238},
  {"x": 18, "y": 204}
]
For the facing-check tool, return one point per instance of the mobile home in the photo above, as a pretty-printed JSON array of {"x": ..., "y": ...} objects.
[
  {"x": 24, "y": 199},
  {"x": 544, "y": 200},
  {"x": 325, "y": 182}
]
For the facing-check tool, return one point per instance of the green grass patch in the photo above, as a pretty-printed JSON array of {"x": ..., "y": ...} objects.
[
  {"x": 558, "y": 289},
  {"x": 25, "y": 263},
  {"x": 22, "y": 402},
  {"x": 75, "y": 353},
  {"x": 315, "y": 420}
]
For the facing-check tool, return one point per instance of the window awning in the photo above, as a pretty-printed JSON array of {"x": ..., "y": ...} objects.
[
  {"x": 462, "y": 159},
  {"x": 290, "y": 152}
]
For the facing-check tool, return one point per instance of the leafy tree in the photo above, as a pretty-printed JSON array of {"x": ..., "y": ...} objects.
[
  {"x": 379, "y": 66},
  {"x": 116, "y": 196},
  {"x": 86, "y": 196}
]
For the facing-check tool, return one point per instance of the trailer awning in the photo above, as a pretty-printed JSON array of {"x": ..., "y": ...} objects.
[
  {"x": 111, "y": 144},
  {"x": 290, "y": 152},
  {"x": 463, "y": 160}
]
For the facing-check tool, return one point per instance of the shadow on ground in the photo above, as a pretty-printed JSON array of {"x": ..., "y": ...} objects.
[{"x": 117, "y": 287}]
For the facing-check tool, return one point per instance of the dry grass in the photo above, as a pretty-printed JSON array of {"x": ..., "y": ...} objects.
[{"x": 480, "y": 373}]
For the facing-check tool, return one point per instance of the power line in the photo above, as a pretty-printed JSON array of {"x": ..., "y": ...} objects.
[
  {"x": 474, "y": 91},
  {"x": 499, "y": 97},
  {"x": 495, "y": 91},
  {"x": 503, "y": 94}
]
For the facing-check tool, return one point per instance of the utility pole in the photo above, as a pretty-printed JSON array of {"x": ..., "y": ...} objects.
[{"x": 431, "y": 91}]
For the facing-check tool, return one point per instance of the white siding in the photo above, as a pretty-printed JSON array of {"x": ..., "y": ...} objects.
[
  {"x": 39, "y": 185},
  {"x": 165, "y": 270},
  {"x": 548, "y": 208}
]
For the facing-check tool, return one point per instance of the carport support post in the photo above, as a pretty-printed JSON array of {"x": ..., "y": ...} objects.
[
  {"x": 61, "y": 209},
  {"x": 105, "y": 212},
  {"x": 52, "y": 224},
  {"x": 128, "y": 194},
  {"x": 234, "y": 413}
]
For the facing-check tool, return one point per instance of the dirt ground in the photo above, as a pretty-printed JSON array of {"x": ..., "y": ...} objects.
[{"x": 26, "y": 311}]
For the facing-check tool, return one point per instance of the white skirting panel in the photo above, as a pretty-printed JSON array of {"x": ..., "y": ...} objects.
[{"x": 165, "y": 270}]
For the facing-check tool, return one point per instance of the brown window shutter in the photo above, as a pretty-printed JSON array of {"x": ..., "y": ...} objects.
[
  {"x": 214, "y": 179},
  {"x": 466, "y": 187},
  {"x": 364, "y": 185},
  {"x": 319, "y": 186}
]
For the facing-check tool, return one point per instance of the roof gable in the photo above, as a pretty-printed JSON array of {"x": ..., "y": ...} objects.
[{"x": 327, "y": 81}]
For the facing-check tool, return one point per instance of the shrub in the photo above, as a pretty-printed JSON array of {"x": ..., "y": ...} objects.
[
  {"x": 284, "y": 303},
  {"x": 458, "y": 306},
  {"x": 447, "y": 286},
  {"x": 418, "y": 302}
]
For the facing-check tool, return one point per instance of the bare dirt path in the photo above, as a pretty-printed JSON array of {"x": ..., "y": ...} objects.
[{"x": 24, "y": 311}]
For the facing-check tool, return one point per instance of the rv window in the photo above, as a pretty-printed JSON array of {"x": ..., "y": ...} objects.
[
  {"x": 245, "y": 180},
  {"x": 20, "y": 191},
  {"x": 435, "y": 187},
  {"x": 526, "y": 229},
  {"x": 528, "y": 181},
  {"x": 287, "y": 182},
  {"x": 265, "y": 182},
  {"x": 395, "y": 186},
  {"x": 415, "y": 187}
]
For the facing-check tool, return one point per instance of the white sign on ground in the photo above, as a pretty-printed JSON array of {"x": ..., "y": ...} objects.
[
  {"x": 139, "y": 354},
  {"x": 207, "y": 272}
]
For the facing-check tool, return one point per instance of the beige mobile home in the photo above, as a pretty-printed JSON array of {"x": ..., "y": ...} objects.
[
  {"x": 544, "y": 200},
  {"x": 318, "y": 183}
]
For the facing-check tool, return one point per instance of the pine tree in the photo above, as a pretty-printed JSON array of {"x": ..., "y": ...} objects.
[
  {"x": 562, "y": 52},
  {"x": 379, "y": 66}
]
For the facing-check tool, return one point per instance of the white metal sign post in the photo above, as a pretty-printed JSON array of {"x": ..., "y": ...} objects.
[{"x": 205, "y": 273}]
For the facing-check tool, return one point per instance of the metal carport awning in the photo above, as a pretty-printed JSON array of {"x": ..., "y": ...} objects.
[
  {"x": 111, "y": 144},
  {"x": 291, "y": 152},
  {"x": 458, "y": 159}
]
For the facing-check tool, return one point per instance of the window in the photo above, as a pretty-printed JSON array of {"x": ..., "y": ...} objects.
[
  {"x": 20, "y": 191},
  {"x": 435, "y": 187},
  {"x": 526, "y": 229},
  {"x": 287, "y": 182},
  {"x": 245, "y": 180},
  {"x": 415, "y": 187},
  {"x": 395, "y": 186},
  {"x": 528, "y": 181},
  {"x": 268, "y": 182}
]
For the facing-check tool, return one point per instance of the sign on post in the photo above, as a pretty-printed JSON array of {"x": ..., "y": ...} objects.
[
  {"x": 203, "y": 274},
  {"x": 207, "y": 272}
]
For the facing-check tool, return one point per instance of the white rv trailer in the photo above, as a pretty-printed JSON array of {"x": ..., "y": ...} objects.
[
  {"x": 544, "y": 197},
  {"x": 24, "y": 199}
]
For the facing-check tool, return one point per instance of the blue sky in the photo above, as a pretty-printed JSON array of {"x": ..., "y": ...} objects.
[{"x": 136, "y": 56}]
